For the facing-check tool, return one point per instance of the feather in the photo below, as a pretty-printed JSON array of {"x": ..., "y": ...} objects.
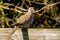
[{"x": 26, "y": 19}]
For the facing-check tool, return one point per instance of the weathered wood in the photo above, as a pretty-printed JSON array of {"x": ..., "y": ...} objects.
[{"x": 33, "y": 34}]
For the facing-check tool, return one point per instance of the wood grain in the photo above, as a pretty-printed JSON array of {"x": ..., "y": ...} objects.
[{"x": 33, "y": 34}]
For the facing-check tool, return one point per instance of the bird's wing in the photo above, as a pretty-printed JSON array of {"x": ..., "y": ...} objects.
[{"x": 23, "y": 18}]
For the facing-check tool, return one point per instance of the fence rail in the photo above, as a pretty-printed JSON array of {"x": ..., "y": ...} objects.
[{"x": 30, "y": 34}]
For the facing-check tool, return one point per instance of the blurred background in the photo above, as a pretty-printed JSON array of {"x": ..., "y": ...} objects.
[{"x": 47, "y": 13}]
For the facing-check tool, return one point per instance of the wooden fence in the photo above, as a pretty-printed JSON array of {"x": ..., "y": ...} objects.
[{"x": 30, "y": 34}]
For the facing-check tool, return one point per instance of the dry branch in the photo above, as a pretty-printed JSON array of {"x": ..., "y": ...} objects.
[
  {"x": 36, "y": 2},
  {"x": 47, "y": 6}
]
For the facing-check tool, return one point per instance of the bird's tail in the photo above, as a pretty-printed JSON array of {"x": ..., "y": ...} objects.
[{"x": 13, "y": 24}]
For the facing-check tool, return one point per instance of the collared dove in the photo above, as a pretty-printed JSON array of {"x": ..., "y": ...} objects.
[{"x": 25, "y": 20}]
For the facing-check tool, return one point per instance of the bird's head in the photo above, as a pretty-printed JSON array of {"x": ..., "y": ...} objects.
[{"x": 31, "y": 9}]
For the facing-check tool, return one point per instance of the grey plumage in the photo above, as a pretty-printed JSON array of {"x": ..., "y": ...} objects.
[{"x": 25, "y": 20}]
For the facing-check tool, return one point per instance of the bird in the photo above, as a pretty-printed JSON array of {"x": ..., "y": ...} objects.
[{"x": 25, "y": 20}]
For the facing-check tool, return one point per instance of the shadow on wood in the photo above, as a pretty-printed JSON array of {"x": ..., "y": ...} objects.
[{"x": 25, "y": 34}]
